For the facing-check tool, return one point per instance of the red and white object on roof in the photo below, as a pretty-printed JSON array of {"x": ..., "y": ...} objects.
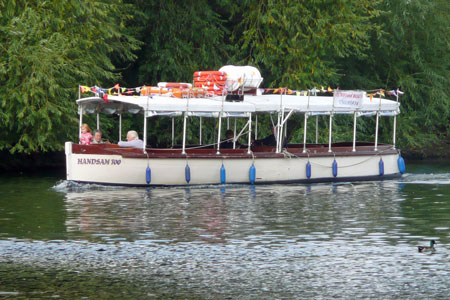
[
  {"x": 213, "y": 81},
  {"x": 175, "y": 85}
]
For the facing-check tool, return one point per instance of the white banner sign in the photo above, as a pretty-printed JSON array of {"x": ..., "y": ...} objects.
[{"x": 349, "y": 99}]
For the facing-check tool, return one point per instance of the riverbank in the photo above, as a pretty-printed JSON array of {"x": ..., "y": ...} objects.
[
  {"x": 440, "y": 151},
  {"x": 31, "y": 162}
]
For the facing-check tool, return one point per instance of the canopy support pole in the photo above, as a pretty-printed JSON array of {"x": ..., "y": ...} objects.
[
  {"x": 145, "y": 133},
  {"x": 395, "y": 128},
  {"x": 376, "y": 132},
  {"x": 120, "y": 127},
  {"x": 256, "y": 127},
  {"x": 354, "y": 132},
  {"x": 173, "y": 131},
  {"x": 200, "y": 141},
  {"x": 330, "y": 133},
  {"x": 285, "y": 130},
  {"x": 218, "y": 134},
  {"x": 317, "y": 129},
  {"x": 278, "y": 132},
  {"x": 184, "y": 134},
  {"x": 304, "y": 133},
  {"x": 378, "y": 122},
  {"x": 81, "y": 121},
  {"x": 249, "y": 133},
  {"x": 234, "y": 135},
  {"x": 395, "y": 122},
  {"x": 98, "y": 121}
]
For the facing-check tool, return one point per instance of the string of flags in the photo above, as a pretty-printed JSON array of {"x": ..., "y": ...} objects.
[
  {"x": 136, "y": 91},
  {"x": 115, "y": 90},
  {"x": 315, "y": 90}
]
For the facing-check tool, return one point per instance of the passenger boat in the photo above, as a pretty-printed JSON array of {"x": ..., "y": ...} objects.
[{"x": 249, "y": 164}]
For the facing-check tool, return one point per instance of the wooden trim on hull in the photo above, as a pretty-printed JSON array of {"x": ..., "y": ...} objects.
[
  {"x": 300, "y": 181},
  {"x": 313, "y": 150}
]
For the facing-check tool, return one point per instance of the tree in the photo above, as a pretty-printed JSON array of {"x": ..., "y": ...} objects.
[
  {"x": 180, "y": 37},
  {"x": 48, "y": 48},
  {"x": 296, "y": 43},
  {"x": 412, "y": 53}
]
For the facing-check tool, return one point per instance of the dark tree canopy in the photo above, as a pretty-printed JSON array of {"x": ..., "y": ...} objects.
[{"x": 48, "y": 48}]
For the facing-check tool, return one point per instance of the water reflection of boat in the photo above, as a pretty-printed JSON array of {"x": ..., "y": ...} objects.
[
  {"x": 128, "y": 212},
  {"x": 210, "y": 164},
  {"x": 216, "y": 215}
]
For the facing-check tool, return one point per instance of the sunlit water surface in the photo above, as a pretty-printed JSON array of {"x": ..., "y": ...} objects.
[{"x": 322, "y": 241}]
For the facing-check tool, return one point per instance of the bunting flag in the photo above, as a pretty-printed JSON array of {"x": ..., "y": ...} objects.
[
  {"x": 395, "y": 93},
  {"x": 117, "y": 90},
  {"x": 84, "y": 89}
]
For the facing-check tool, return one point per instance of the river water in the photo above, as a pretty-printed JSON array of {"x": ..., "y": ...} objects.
[{"x": 321, "y": 241}]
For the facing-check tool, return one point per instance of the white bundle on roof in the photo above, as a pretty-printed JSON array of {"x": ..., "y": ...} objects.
[{"x": 247, "y": 77}]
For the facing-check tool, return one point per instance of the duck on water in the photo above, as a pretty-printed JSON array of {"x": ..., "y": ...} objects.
[{"x": 423, "y": 249}]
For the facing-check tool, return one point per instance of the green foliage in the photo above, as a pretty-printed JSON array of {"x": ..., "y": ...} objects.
[
  {"x": 180, "y": 37},
  {"x": 47, "y": 49},
  {"x": 411, "y": 53},
  {"x": 296, "y": 43}
]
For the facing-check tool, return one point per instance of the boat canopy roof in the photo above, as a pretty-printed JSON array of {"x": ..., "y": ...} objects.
[{"x": 212, "y": 107}]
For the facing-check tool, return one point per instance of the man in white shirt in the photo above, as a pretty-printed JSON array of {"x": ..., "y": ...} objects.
[{"x": 133, "y": 140}]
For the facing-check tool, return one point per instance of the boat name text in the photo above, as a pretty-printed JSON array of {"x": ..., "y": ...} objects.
[{"x": 98, "y": 161}]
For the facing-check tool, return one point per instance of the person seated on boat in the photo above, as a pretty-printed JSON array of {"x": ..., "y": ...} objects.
[
  {"x": 86, "y": 135},
  {"x": 269, "y": 140},
  {"x": 133, "y": 140},
  {"x": 228, "y": 143},
  {"x": 98, "y": 138}
]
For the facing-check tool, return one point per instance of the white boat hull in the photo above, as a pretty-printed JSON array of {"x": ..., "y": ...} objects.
[{"x": 119, "y": 170}]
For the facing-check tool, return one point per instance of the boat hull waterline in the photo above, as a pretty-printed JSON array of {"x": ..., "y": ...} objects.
[{"x": 130, "y": 169}]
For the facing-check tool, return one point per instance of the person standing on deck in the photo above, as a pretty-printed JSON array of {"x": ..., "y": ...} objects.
[{"x": 133, "y": 140}]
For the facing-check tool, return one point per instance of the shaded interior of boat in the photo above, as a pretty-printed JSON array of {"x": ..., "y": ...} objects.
[{"x": 312, "y": 150}]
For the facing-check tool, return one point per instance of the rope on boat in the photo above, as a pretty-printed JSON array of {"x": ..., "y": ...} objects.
[
  {"x": 286, "y": 153},
  {"x": 207, "y": 145}
]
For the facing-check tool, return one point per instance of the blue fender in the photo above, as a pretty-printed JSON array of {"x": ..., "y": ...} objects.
[
  {"x": 381, "y": 167},
  {"x": 148, "y": 175},
  {"x": 252, "y": 174},
  {"x": 335, "y": 168},
  {"x": 223, "y": 175},
  {"x": 308, "y": 170},
  {"x": 187, "y": 173},
  {"x": 401, "y": 165}
]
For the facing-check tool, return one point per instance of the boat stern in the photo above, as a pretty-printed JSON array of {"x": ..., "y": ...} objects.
[{"x": 68, "y": 152}]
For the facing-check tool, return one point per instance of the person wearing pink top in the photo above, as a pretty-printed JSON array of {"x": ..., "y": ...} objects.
[{"x": 86, "y": 135}]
